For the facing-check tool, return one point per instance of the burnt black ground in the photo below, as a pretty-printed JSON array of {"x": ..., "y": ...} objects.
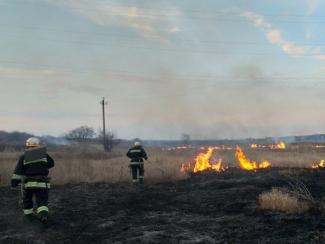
[{"x": 206, "y": 208}]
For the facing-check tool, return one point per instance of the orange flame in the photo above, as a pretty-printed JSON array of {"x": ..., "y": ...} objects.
[
  {"x": 223, "y": 148},
  {"x": 280, "y": 145},
  {"x": 320, "y": 146},
  {"x": 246, "y": 164},
  {"x": 319, "y": 165},
  {"x": 254, "y": 146},
  {"x": 177, "y": 148},
  {"x": 202, "y": 163}
]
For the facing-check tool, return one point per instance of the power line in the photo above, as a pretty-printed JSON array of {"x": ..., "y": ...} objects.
[
  {"x": 203, "y": 51},
  {"x": 133, "y": 37},
  {"x": 145, "y": 75},
  {"x": 87, "y": 69},
  {"x": 205, "y": 15}
]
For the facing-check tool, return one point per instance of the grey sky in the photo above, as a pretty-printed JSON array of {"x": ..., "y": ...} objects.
[{"x": 212, "y": 69}]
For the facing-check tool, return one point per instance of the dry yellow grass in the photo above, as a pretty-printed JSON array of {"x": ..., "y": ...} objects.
[
  {"x": 291, "y": 158},
  {"x": 283, "y": 202},
  {"x": 7, "y": 164},
  {"x": 89, "y": 164},
  {"x": 83, "y": 164},
  {"x": 301, "y": 158}
]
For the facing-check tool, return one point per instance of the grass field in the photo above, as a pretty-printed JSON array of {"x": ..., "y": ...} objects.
[
  {"x": 274, "y": 205},
  {"x": 89, "y": 164},
  {"x": 229, "y": 207},
  {"x": 82, "y": 164}
]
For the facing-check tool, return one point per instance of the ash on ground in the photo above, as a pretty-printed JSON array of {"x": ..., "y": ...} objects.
[{"x": 206, "y": 208}]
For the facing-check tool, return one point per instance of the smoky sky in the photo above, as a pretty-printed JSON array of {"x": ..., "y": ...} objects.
[{"x": 213, "y": 70}]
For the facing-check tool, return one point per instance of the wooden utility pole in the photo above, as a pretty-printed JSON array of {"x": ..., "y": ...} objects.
[{"x": 103, "y": 103}]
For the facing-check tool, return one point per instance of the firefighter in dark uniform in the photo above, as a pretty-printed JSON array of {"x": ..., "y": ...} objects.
[
  {"x": 31, "y": 171},
  {"x": 137, "y": 154}
]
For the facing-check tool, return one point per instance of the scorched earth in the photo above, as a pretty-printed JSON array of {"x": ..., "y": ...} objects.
[{"x": 208, "y": 207}]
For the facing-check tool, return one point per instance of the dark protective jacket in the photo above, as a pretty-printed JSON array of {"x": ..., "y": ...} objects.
[
  {"x": 137, "y": 154},
  {"x": 32, "y": 164}
]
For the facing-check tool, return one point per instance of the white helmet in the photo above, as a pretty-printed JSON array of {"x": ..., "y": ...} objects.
[
  {"x": 137, "y": 143},
  {"x": 33, "y": 142}
]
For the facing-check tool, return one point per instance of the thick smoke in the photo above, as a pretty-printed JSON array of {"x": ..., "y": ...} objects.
[{"x": 248, "y": 103}]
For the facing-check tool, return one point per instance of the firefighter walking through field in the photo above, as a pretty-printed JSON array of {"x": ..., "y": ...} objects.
[
  {"x": 137, "y": 154},
  {"x": 31, "y": 171}
]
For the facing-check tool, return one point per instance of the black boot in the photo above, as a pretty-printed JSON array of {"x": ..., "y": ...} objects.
[{"x": 43, "y": 217}]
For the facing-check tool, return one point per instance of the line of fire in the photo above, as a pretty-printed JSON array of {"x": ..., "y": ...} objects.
[{"x": 206, "y": 160}]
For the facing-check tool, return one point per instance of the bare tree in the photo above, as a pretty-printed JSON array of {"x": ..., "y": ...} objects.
[
  {"x": 109, "y": 141},
  {"x": 81, "y": 134}
]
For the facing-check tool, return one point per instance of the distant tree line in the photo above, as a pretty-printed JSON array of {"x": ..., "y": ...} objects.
[
  {"x": 15, "y": 140},
  {"x": 87, "y": 134},
  {"x": 81, "y": 135}
]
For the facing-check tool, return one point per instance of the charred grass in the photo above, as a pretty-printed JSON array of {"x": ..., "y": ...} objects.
[
  {"x": 207, "y": 207},
  {"x": 93, "y": 202}
]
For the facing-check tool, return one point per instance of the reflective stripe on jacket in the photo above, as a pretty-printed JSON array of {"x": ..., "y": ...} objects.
[
  {"x": 17, "y": 177},
  {"x": 41, "y": 160},
  {"x": 36, "y": 184},
  {"x": 137, "y": 154},
  {"x": 136, "y": 163}
]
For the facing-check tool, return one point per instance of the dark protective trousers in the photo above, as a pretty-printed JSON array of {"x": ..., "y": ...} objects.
[
  {"x": 137, "y": 171},
  {"x": 41, "y": 197}
]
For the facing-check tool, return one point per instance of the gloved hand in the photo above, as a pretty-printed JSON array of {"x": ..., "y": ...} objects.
[{"x": 14, "y": 182}]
